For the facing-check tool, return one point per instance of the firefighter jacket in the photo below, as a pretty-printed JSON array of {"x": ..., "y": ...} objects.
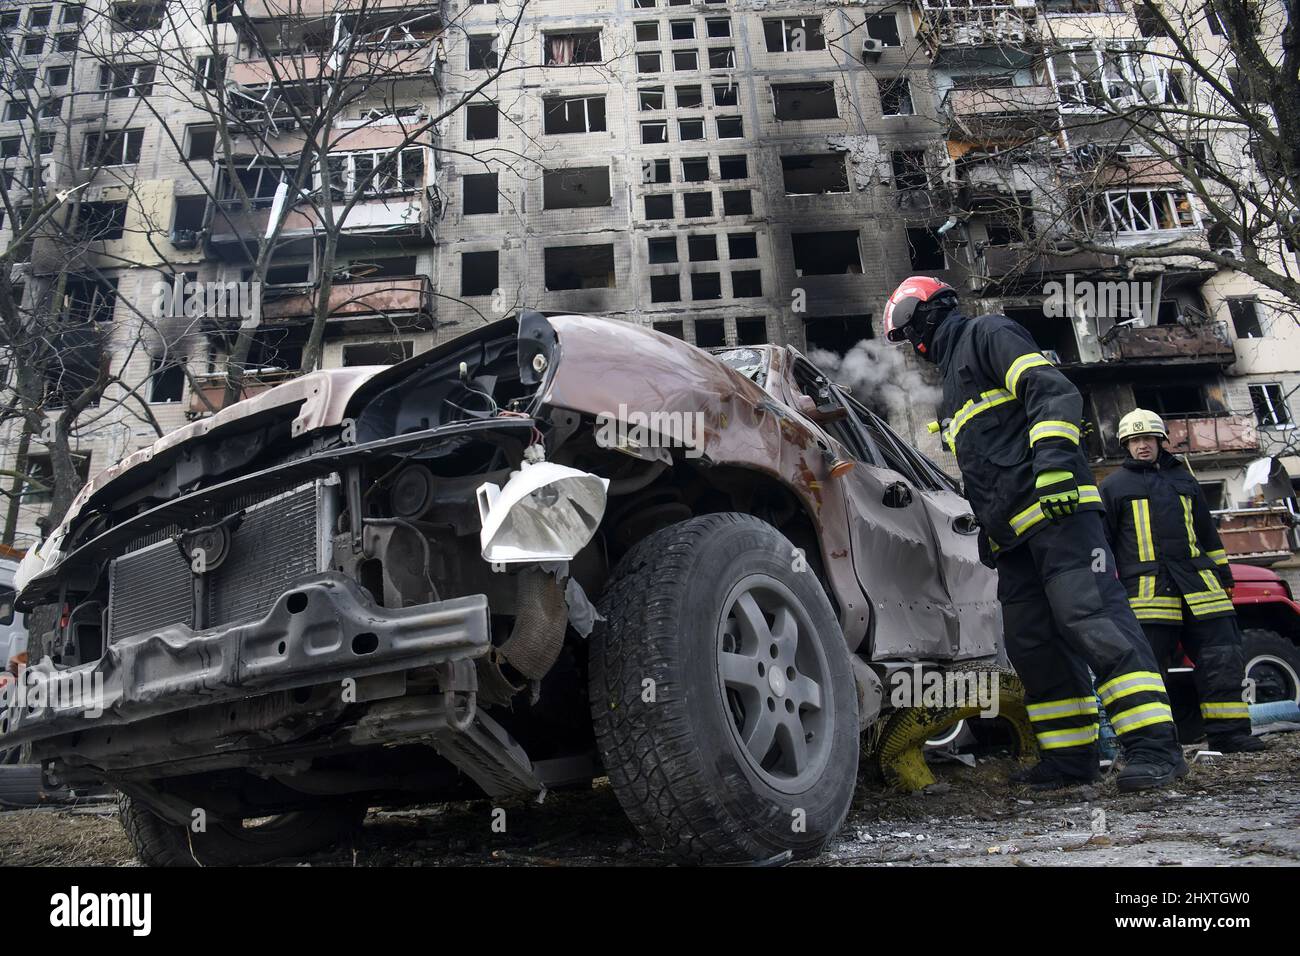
[
  {"x": 1009, "y": 415},
  {"x": 1165, "y": 542}
]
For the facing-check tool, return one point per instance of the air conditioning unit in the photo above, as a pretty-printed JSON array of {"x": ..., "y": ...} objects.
[
  {"x": 872, "y": 48},
  {"x": 185, "y": 239}
]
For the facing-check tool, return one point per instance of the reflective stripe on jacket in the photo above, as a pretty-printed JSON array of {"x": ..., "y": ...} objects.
[
  {"x": 1165, "y": 542},
  {"x": 1010, "y": 414}
]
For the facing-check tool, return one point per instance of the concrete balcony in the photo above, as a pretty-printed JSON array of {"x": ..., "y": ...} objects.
[
  {"x": 307, "y": 68},
  {"x": 997, "y": 110},
  {"x": 360, "y": 305},
  {"x": 1257, "y": 535},
  {"x": 213, "y": 388},
  {"x": 989, "y": 34},
  {"x": 1214, "y": 435},
  {"x": 398, "y": 218},
  {"x": 308, "y": 9},
  {"x": 1201, "y": 344}
]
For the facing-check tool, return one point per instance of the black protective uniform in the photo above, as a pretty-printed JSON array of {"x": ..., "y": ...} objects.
[
  {"x": 1011, "y": 415},
  {"x": 1175, "y": 570}
]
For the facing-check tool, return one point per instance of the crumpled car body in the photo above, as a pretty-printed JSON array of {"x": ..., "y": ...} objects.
[{"x": 291, "y": 600}]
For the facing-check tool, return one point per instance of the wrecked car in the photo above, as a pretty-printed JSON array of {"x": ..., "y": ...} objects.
[{"x": 553, "y": 549}]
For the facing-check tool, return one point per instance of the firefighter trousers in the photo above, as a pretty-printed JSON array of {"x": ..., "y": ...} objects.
[
  {"x": 1065, "y": 611},
  {"x": 1214, "y": 646}
]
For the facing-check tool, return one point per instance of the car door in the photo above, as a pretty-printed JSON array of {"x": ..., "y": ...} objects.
[{"x": 970, "y": 585}]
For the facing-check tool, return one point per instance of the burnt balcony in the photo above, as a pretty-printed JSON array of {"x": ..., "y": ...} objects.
[
  {"x": 1199, "y": 344},
  {"x": 309, "y": 9},
  {"x": 213, "y": 388},
  {"x": 1213, "y": 435},
  {"x": 1000, "y": 110},
  {"x": 389, "y": 62},
  {"x": 987, "y": 34},
  {"x": 359, "y": 305},
  {"x": 1262, "y": 535}
]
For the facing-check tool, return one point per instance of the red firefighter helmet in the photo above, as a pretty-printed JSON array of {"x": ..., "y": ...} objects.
[{"x": 912, "y": 292}]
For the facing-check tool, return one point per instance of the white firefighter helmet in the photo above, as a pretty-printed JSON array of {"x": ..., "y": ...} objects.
[{"x": 1141, "y": 422}]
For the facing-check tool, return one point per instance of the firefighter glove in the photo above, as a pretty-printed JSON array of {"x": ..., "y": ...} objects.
[{"x": 1058, "y": 493}]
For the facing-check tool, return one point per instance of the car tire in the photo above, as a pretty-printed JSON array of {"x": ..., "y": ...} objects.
[
  {"x": 286, "y": 836},
  {"x": 1274, "y": 663},
  {"x": 681, "y": 677}
]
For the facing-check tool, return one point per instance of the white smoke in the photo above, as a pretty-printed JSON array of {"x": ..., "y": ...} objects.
[{"x": 879, "y": 374}]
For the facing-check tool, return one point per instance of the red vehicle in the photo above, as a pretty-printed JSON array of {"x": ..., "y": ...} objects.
[{"x": 1270, "y": 624}]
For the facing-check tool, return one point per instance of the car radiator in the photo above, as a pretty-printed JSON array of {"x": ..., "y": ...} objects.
[{"x": 276, "y": 542}]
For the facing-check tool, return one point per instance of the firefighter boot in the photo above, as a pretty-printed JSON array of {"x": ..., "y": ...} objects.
[
  {"x": 1235, "y": 743},
  {"x": 1052, "y": 774},
  {"x": 1152, "y": 760}
]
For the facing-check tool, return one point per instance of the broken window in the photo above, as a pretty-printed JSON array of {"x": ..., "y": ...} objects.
[
  {"x": 574, "y": 114},
  {"x": 579, "y": 267},
  {"x": 376, "y": 172},
  {"x": 38, "y": 18},
  {"x": 813, "y": 174},
  {"x": 689, "y": 97},
  {"x": 793, "y": 35},
  {"x": 66, "y": 42},
  {"x": 187, "y": 222},
  {"x": 737, "y": 202},
  {"x": 654, "y": 131},
  {"x": 576, "y": 188},
  {"x": 685, "y": 61},
  {"x": 883, "y": 27},
  {"x": 722, "y": 58},
  {"x": 89, "y": 300},
  {"x": 102, "y": 220},
  {"x": 569, "y": 49},
  {"x": 676, "y": 329},
  {"x": 826, "y": 253},
  {"x": 895, "y": 97},
  {"x": 648, "y": 63},
  {"x": 651, "y": 98},
  {"x": 655, "y": 171},
  {"x": 647, "y": 32},
  {"x": 695, "y": 169},
  {"x": 376, "y": 353},
  {"x": 659, "y": 207},
  {"x": 709, "y": 333},
  {"x": 57, "y": 75},
  {"x": 682, "y": 29},
  {"x": 742, "y": 245},
  {"x": 210, "y": 72},
  {"x": 836, "y": 333},
  {"x": 725, "y": 94},
  {"x": 702, "y": 248},
  {"x": 718, "y": 27},
  {"x": 259, "y": 184},
  {"x": 1148, "y": 210},
  {"x": 1007, "y": 219},
  {"x": 751, "y": 331},
  {"x": 135, "y": 17},
  {"x": 1172, "y": 398},
  {"x": 746, "y": 284},
  {"x": 662, "y": 249},
  {"x": 666, "y": 288},
  {"x": 730, "y": 127},
  {"x": 481, "y": 121},
  {"x": 483, "y": 52},
  {"x": 1271, "y": 409},
  {"x": 480, "y": 196},
  {"x": 33, "y": 45},
  {"x": 909, "y": 169},
  {"x": 15, "y": 110},
  {"x": 478, "y": 273},
  {"x": 697, "y": 205},
  {"x": 131, "y": 80},
  {"x": 799, "y": 101},
  {"x": 40, "y": 467},
  {"x": 1245, "y": 318},
  {"x": 733, "y": 167},
  {"x": 689, "y": 129},
  {"x": 166, "y": 380},
  {"x": 926, "y": 250},
  {"x": 119, "y": 148},
  {"x": 200, "y": 142}
]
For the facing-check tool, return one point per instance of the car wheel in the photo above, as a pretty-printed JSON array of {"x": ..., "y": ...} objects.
[
  {"x": 248, "y": 843},
  {"x": 722, "y": 695},
  {"x": 1273, "y": 663}
]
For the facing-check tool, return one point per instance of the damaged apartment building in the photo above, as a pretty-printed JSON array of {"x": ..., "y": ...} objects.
[{"x": 729, "y": 172}]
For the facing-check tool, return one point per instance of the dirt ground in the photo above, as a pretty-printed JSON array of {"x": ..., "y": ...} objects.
[{"x": 1237, "y": 809}]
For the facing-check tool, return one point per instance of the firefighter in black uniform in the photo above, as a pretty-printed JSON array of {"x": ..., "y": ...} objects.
[
  {"x": 1177, "y": 576},
  {"x": 1013, "y": 420}
]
